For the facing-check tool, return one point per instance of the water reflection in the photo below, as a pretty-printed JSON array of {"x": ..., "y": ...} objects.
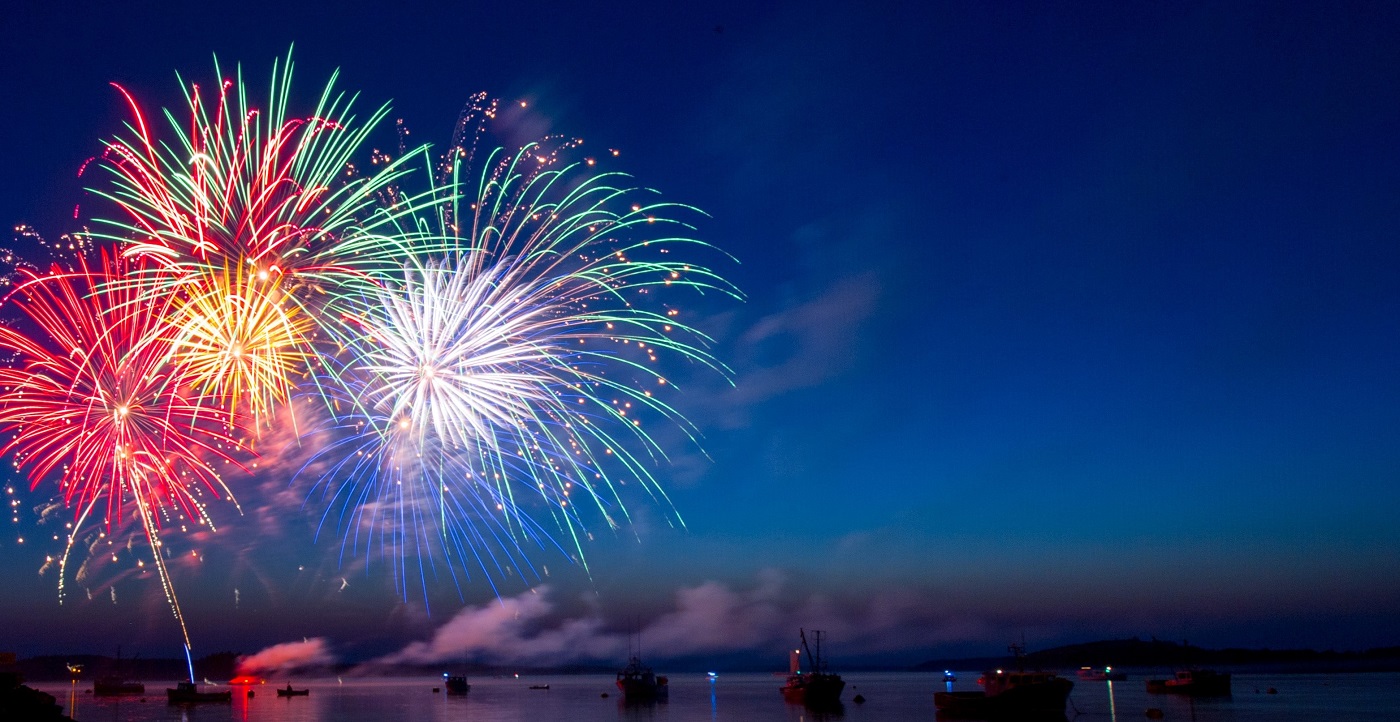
[{"x": 1112, "y": 708}]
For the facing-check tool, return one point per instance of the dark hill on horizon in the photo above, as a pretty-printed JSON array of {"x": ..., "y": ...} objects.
[{"x": 1170, "y": 655}]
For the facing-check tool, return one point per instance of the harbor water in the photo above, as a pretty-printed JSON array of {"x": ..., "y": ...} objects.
[{"x": 889, "y": 696}]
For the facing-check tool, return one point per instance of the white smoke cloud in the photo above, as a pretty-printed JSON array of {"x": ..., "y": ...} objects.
[
  {"x": 288, "y": 656},
  {"x": 710, "y": 618}
]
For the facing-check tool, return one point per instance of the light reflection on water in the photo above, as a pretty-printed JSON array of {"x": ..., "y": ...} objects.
[{"x": 889, "y": 696}]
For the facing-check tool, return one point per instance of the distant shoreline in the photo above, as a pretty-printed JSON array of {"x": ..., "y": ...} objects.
[{"x": 1130, "y": 655}]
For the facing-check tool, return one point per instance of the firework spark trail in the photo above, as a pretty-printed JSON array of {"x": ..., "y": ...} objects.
[
  {"x": 515, "y": 372},
  {"x": 92, "y": 400}
]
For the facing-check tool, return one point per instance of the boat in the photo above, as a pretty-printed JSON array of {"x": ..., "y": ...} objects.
[
  {"x": 539, "y": 686},
  {"x": 949, "y": 677},
  {"x": 189, "y": 693},
  {"x": 817, "y": 687},
  {"x": 457, "y": 685},
  {"x": 114, "y": 685},
  {"x": 639, "y": 683},
  {"x": 1193, "y": 682},
  {"x": 1090, "y": 674},
  {"x": 1009, "y": 695},
  {"x": 289, "y": 692}
]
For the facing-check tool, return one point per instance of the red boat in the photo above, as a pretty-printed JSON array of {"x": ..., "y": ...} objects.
[
  {"x": 817, "y": 687},
  {"x": 1009, "y": 695},
  {"x": 1194, "y": 682}
]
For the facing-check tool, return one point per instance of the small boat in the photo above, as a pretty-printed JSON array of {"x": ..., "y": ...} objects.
[
  {"x": 1193, "y": 682},
  {"x": 539, "y": 686},
  {"x": 189, "y": 693},
  {"x": 639, "y": 683},
  {"x": 457, "y": 685},
  {"x": 289, "y": 692},
  {"x": 115, "y": 685},
  {"x": 1009, "y": 695},
  {"x": 817, "y": 687},
  {"x": 1090, "y": 674},
  {"x": 948, "y": 676}
]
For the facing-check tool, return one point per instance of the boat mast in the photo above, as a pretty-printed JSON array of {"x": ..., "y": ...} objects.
[{"x": 816, "y": 661}]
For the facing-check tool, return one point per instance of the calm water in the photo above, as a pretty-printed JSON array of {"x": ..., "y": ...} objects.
[{"x": 889, "y": 696}]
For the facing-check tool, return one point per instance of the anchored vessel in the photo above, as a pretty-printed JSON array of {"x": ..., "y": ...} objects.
[
  {"x": 1194, "y": 682},
  {"x": 1090, "y": 674},
  {"x": 817, "y": 687},
  {"x": 1009, "y": 695},
  {"x": 457, "y": 685},
  {"x": 639, "y": 683},
  {"x": 189, "y": 693}
]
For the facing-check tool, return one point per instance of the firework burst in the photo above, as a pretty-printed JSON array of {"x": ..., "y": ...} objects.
[
  {"x": 512, "y": 379},
  {"x": 91, "y": 400}
]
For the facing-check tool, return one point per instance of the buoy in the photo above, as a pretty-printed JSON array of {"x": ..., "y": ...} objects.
[
  {"x": 858, "y": 699},
  {"x": 250, "y": 694},
  {"x": 605, "y": 695},
  {"x": 435, "y": 690},
  {"x": 1154, "y": 713},
  {"x": 1271, "y": 690}
]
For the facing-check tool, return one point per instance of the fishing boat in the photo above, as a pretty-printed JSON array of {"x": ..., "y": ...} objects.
[
  {"x": 1091, "y": 674},
  {"x": 457, "y": 685},
  {"x": 1009, "y": 695},
  {"x": 114, "y": 684},
  {"x": 289, "y": 692},
  {"x": 1193, "y": 682},
  {"x": 189, "y": 693},
  {"x": 640, "y": 683},
  {"x": 817, "y": 687}
]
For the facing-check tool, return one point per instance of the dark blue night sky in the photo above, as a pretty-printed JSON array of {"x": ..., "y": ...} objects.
[{"x": 1078, "y": 321}]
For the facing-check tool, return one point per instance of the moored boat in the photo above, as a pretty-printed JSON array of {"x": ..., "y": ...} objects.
[
  {"x": 289, "y": 692},
  {"x": 1091, "y": 674},
  {"x": 1017, "y": 695},
  {"x": 816, "y": 687},
  {"x": 457, "y": 685},
  {"x": 115, "y": 685},
  {"x": 640, "y": 683},
  {"x": 189, "y": 693},
  {"x": 1193, "y": 682},
  {"x": 1008, "y": 694}
]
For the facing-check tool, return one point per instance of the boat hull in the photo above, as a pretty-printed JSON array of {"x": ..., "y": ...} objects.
[
  {"x": 1199, "y": 685},
  {"x": 813, "y": 690},
  {"x": 188, "y": 695},
  {"x": 102, "y": 688},
  {"x": 1044, "y": 701},
  {"x": 641, "y": 690}
]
